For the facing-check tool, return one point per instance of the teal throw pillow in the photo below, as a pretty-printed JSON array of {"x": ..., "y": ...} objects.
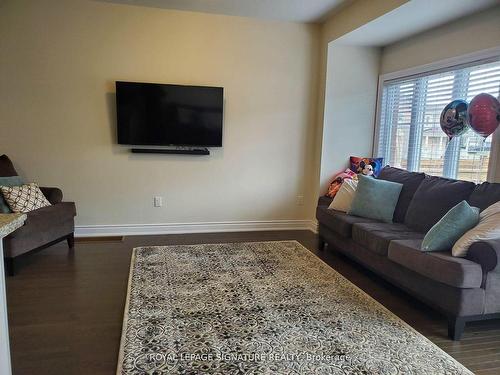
[
  {"x": 8, "y": 181},
  {"x": 375, "y": 199},
  {"x": 447, "y": 231}
]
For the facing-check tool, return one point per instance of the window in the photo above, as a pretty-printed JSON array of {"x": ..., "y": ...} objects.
[{"x": 410, "y": 136}]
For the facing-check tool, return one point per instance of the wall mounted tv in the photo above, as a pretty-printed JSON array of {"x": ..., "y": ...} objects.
[{"x": 152, "y": 114}]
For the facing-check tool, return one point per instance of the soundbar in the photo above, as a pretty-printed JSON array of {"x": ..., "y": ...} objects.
[{"x": 181, "y": 151}]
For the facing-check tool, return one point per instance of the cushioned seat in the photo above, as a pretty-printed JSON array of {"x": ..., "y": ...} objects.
[
  {"x": 377, "y": 236},
  {"x": 41, "y": 227},
  {"x": 339, "y": 222},
  {"x": 44, "y": 218},
  {"x": 440, "y": 266}
]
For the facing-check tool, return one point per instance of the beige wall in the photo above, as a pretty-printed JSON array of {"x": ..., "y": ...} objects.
[
  {"x": 357, "y": 14},
  {"x": 350, "y": 102},
  {"x": 349, "y": 18},
  {"x": 470, "y": 34},
  {"x": 58, "y": 112}
]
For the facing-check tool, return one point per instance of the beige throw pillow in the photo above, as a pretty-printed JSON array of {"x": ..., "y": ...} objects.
[
  {"x": 343, "y": 199},
  {"x": 487, "y": 229},
  {"x": 24, "y": 198}
]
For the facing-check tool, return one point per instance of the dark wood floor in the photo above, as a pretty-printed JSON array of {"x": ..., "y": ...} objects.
[{"x": 66, "y": 308}]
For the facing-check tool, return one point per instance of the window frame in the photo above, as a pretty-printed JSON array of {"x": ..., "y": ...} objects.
[{"x": 471, "y": 59}]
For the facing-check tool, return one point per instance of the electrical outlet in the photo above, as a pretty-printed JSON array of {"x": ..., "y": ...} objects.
[
  {"x": 157, "y": 201},
  {"x": 300, "y": 200}
]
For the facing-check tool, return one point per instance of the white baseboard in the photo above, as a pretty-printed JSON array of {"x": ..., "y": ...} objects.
[
  {"x": 179, "y": 228},
  {"x": 314, "y": 226}
]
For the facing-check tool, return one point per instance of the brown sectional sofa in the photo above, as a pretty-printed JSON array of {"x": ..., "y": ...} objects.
[{"x": 464, "y": 289}]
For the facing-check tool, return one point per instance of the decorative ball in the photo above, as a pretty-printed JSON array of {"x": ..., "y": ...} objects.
[
  {"x": 454, "y": 118},
  {"x": 484, "y": 114}
]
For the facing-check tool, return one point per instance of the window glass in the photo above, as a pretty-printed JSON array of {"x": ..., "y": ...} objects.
[{"x": 410, "y": 135}]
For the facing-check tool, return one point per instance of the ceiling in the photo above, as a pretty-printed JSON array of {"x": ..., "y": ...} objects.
[
  {"x": 411, "y": 18},
  {"x": 285, "y": 10}
]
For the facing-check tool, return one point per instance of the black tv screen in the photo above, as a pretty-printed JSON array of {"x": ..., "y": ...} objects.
[{"x": 163, "y": 115}]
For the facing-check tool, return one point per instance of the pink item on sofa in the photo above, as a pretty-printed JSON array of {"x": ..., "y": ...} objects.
[{"x": 337, "y": 182}]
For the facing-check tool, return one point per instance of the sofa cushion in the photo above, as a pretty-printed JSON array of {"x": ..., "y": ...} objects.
[
  {"x": 484, "y": 195},
  {"x": 6, "y": 167},
  {"x": 410, "y": 180},
  {"x": 433, "y": 199},
  {"x": 439, "y": 266},
  {"x": 377, "y": 236},
  {"x": 339, "y": 222},
  {"x": 43, "y": 219}
]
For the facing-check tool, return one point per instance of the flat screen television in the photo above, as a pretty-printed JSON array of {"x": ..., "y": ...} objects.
[{"x": 154, "y": 114}]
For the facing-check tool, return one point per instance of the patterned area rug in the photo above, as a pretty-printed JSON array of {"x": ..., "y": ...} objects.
[{"x": 261, "y": 308}]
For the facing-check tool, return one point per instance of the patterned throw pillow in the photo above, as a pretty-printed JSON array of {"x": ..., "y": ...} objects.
[{"x": 24, "y": 198}]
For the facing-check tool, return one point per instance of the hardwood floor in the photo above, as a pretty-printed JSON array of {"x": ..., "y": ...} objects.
[{"x": 66, "y": 307}]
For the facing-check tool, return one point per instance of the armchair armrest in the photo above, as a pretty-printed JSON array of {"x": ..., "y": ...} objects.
[
  {"x": 487, "y": 254},
  {"x": 54, "y": 195}
]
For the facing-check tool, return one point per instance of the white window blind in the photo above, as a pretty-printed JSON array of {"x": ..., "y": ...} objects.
[{"x": 410, "y": 136}]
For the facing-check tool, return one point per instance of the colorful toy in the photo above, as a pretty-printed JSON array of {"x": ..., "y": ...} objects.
[
  {"x": 337, "y": 182},
  {"x": 366, "y": 166}
]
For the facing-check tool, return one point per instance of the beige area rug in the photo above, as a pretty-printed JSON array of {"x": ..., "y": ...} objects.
[{"x": 261, "y": 308}]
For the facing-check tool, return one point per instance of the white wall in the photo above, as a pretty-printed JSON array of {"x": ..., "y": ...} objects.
[
  {"x": 350, "y": 103},
  {"x": 58, "y": 64}
]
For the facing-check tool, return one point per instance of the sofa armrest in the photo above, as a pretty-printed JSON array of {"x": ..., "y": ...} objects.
[
  {"x": 324, "y": 201},
  {"x": 487, "y": 254},
  {"x": 53, "y": 195}
]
